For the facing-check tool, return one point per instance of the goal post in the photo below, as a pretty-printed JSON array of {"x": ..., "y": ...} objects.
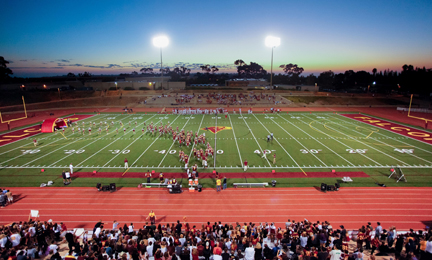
[{"x": 15, "y": 119}]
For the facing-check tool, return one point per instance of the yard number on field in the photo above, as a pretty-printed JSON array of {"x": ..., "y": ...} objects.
[
  {"x": 356, "y": 150},
  {"x": 310, "y": 151},
  {"x": 267, "y": 151},
  {"x": 404, "y": 150},
  {"x": 30, "y": 151},
  {"x": 74, "y": 151},
  {"x": 164, "y": 151},
  {"x": 118, "y": 151}
]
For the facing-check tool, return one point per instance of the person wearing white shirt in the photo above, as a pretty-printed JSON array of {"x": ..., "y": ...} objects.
[
  {"x": 71, "y": 168},
  {"x": 149, "y": 249},
  {"x": 98, "y": 231},
  {"x": 429, "y": 246},
  {"x": 217, "y": 257},
  {"x": 130, "y": 228},
  {"x": 250, "y": 252},
  {"x": 335, "y": 254},
  {"x": 53, "y": 247}
]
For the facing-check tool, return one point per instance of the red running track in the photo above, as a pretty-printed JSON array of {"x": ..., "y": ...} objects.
[{"x": 353, "y": 207}]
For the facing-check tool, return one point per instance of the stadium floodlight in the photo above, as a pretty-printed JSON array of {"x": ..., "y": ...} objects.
[
  {"x": 272, "y": 42},
  {"x": 161, "y": 42}
]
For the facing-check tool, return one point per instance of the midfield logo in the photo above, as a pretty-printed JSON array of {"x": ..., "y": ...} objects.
[{"x": 215, "y": 129}]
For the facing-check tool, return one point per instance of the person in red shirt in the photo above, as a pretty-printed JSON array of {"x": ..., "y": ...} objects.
[
  {"x": 63, "y": 227},
  {"x": 217, "y": 250},
  {"x": 35, "y": 142},
  {"x": 126, "y": 163},
  {"x": 245, "y": 165}
]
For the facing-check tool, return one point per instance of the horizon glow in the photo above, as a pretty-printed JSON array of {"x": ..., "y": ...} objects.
[{"x": 53, "y": 38}]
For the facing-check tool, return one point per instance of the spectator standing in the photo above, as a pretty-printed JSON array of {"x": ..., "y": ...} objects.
[
  {"x": 250, "y": 252},
  {"x": 378, "y": 230},
  {"x": 126, "y": 165},
  {"x": 218, "y": 184},
  {"x": 224, "y": 183},
  {"x": 335, "y": 254}
]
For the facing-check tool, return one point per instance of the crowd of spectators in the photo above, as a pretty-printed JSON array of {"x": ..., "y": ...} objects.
[{"x": 302, "y": 240}]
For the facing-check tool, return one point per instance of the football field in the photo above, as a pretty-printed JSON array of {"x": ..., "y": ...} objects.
[{"x": 303, "y": 142}]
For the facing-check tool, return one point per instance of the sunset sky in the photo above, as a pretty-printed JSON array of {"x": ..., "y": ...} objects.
[{"x": 44, "y": 38}]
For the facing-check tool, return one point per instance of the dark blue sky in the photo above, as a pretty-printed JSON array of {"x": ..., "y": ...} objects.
[{"x": 107, "y": 37}]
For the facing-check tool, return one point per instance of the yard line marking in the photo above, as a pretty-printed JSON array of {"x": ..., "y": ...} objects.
[
  {"x": 235, "y": 139},
  {"x": 318, "y": 141},
  {"x": 53, "y": 151},
  {"x": 299, "y": 142},
  {"x": 254, "y": 138},
  {"x": 91, "y": 143},
  {"x": 281, "y": 146},
  {"x": 45, "y": 138},
  {"x": 55, "y": 140},
  {"x": 336, "y": 139},
  {"x": 129, "y": 145},
  {"x": 389, "y": 137},
  {"x": 215, "y": 154},
  {"x": 193, "y": 145},
  {"x": 355, "y": 139},
  {"x": 167, "y": 152},
  {"x": 115, "y": 140},
  {"x": 152, "y": 142},
  {"x": 385, "y": 143}
]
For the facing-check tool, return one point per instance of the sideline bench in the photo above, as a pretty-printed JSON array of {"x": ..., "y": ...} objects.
[
  {"x": 250, "y": 185},
  {"x": 154, "y": 184}
]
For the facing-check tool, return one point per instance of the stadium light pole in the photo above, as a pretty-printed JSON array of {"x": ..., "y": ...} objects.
[
  {"x": 161, "y": 42},
  {"x": 272, "y": 42}
]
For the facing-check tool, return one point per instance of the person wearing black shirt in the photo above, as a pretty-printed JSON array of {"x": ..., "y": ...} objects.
[
  {"x": 225, "y": 255},
  {"x": 70, "y": 239},
  {"x": 322, "y": 255},
  {"x": 178, "y": 227}
]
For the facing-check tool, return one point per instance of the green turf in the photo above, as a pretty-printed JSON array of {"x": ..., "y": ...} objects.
[{"x": 314, "y": 142}]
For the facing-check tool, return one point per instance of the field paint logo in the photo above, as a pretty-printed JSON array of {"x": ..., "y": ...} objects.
[{"x": 216, "y": 129}]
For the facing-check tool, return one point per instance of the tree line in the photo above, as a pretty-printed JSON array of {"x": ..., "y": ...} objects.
[{"x": 410, "y": 79}]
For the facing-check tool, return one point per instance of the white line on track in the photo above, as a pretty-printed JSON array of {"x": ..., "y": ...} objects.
[
  {"x": 315, "y": 140},
  {"x": 235, "y": 139},
  {"x": 255, "y": 140},
  {"x": 151, "y": 144}
]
